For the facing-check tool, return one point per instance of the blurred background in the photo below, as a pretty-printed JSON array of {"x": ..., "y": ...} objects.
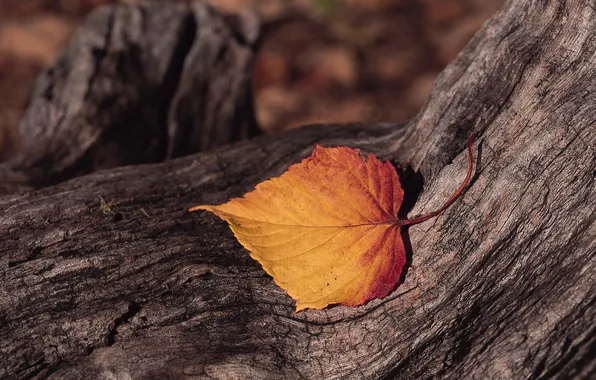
[{"x": 320, "y": 60}]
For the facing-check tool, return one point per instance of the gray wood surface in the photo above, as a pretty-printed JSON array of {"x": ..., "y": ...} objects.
[{"x": 106, "y": 275}]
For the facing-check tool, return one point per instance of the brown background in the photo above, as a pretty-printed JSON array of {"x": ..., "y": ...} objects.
[{"x": 320, "y": 60}]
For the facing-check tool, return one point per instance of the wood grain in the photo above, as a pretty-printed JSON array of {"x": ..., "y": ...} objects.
[{"x": 107, "y": 276}]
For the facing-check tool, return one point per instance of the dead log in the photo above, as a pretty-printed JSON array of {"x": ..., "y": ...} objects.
[
  {"x": 107, "y": 276},
  {"x": 138, "y": 84}
]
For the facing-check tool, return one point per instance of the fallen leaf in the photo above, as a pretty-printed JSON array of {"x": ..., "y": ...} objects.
[{"x": 327, "y": 230}]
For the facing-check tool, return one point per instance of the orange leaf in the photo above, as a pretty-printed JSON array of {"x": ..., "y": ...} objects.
[{"x": 327, "y": 230}]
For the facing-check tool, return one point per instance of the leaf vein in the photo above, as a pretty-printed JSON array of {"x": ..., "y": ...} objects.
[{"x": 364, "y": 187}]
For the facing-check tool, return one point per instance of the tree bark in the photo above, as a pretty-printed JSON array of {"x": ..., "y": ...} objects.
[{"x": 107, "y": 275}]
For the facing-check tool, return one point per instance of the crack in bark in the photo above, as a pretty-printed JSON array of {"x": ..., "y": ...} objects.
[{"x": 133, "y": 309}]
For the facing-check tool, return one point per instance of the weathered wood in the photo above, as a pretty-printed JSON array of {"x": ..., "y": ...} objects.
[
  {"x": 501, "y": 286},
  {"x": 138, "y": 84}
]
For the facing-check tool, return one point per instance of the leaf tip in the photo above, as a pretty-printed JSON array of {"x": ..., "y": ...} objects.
[{"x": 202, "y": 207}]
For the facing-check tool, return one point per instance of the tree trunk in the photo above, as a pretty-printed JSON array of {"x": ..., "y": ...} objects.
[{"x": 107, "y": 276}]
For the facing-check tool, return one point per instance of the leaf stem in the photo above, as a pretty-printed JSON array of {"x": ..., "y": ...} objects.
[{"x": 423, "y": 218}]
